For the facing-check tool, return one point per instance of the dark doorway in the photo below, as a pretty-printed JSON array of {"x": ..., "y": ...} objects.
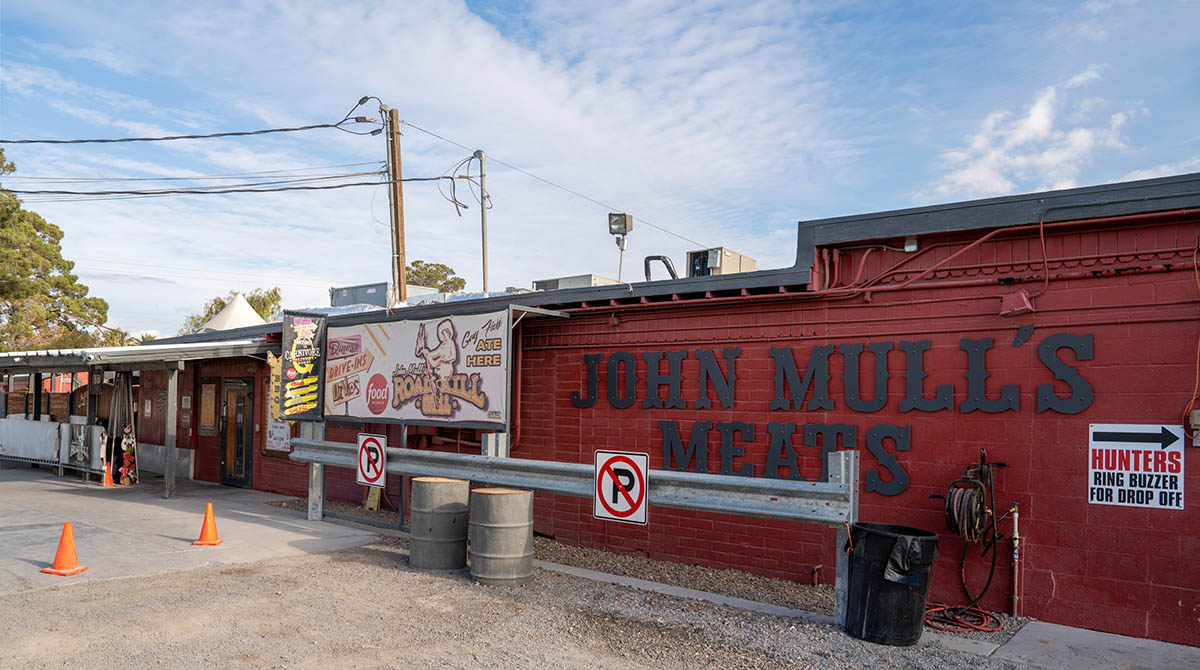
[{"x": 237, "y": 434}]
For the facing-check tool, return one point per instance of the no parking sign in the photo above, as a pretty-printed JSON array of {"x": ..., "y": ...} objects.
[
  {"x": 372, "y": 460},
  {"x": 622, "y": 480}
]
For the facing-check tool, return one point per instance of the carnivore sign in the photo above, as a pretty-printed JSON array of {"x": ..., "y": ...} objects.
[{"x": 303, "y": 364}]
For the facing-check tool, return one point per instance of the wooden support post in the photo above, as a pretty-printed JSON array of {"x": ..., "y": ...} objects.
[
  {"x": 843, "y": 469},
  {"x": 36, "y": 383},
  {"x": 172, "y": 413},
  {"x": 94, "y": 385},
  {"x": 395, "y": 174}
]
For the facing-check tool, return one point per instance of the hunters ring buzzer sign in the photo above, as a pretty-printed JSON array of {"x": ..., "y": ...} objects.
[
  {"x": 621, "y": 484},
  {"x": 1135, "y": 465},
  {"x": 448, "y": 370}
]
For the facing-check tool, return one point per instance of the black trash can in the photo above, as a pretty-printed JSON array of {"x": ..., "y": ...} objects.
[{"x": 890, "y": 568}]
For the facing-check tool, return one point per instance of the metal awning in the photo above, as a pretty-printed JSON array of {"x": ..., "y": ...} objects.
[{"x": 145, "y": 357}]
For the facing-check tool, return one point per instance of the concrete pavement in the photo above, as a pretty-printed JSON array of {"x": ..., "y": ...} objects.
[
  {"x": 130, "y": 531},
  {"x": 1064, "y": 648}
]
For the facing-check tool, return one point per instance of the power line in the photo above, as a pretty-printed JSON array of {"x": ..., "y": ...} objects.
[
  {"x": 558, "y": 186},
  {"x": 235, "y": 175},
  {"x": 217, "y": 189},
  {"x": 167, "y": 138},
  {"x": 241, "y": 133},
  {"x": 263, "y": 182}
]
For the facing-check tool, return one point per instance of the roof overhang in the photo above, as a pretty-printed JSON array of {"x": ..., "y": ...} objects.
[{"x": 146, "y": 357}]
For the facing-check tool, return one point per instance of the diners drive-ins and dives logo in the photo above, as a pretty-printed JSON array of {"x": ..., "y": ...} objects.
[
  {"x": 434, "y": 385},
  {"x": 300, "y": 392}
]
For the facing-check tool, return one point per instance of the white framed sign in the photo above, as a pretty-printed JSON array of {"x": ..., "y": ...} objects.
[{"x": 452, "y": 370}]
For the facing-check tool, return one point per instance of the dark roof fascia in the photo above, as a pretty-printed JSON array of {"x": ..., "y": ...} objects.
[
  {"x": 79, "y": 361},
  {"x": 1105, "y": 200},
  {"x": 244, "y": 333}
]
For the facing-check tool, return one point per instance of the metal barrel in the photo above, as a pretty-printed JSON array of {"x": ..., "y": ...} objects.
[
  {"x": 438, "y": 539},
  {"x": 501, "y": 536}
]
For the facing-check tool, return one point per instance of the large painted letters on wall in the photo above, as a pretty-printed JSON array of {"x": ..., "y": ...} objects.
[{"x": 802, "y": 386}]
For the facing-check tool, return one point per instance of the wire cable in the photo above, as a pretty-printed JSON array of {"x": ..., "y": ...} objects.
[
  {"x": 219, "y": 189},
  {"x": 557, "y": 186},
  {"x": 168, "y": 138},
  {"x": 1196, "y": 386},
  {"x": 240, "y": 133},
  {"x": 200, "y": 177}
]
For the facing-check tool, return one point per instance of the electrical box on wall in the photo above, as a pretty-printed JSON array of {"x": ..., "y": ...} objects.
[{"x": 718, "y": 261}]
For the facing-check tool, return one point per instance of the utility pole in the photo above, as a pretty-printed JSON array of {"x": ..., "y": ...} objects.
[
  {"x": 396, "y": 193},
  {"x": 483, "y": 214}
]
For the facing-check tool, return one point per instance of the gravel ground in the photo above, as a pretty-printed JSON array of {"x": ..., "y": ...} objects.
[
  {"x": 809, "y": 598},
  {"x": 366, "y": 608}
]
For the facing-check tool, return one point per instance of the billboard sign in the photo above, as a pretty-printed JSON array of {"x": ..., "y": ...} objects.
[{"x": 451, "y": 370}]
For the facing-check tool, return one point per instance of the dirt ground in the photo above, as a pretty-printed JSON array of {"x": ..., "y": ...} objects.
[{"x": 365, "y": 608}]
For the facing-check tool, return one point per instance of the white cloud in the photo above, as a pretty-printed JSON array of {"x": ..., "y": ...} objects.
[
  {"x": 1089, "y": 75},
  {"x": 1164, "y": 170},
  {"x": 1033, "y": 151},
  {"x": 688, "y": 115}
]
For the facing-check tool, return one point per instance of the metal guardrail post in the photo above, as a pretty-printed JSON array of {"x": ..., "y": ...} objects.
[
  {"x": 316, "y": 474},
  {"x": 843, "y": 469}
]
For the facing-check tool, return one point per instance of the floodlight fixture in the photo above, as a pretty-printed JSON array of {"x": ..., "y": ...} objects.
[{"x": 619, "y": 224}]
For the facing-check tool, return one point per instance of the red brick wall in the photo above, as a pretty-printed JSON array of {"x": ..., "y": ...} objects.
[
  {"x": 1103, "y": 567},
  {"x": 1132, "y": 289}
]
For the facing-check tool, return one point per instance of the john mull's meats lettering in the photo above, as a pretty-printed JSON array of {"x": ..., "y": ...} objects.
[{"x": 807, "y": 388}]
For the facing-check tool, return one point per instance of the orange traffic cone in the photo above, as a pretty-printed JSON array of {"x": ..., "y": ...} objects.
[
  {"x": 208, "y": 532},
  {"x": 65, "y": 561},
  {"x": 107, "y": 475}
]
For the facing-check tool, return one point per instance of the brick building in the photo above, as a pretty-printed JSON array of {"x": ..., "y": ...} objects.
[{"x": 919, "y": 337}]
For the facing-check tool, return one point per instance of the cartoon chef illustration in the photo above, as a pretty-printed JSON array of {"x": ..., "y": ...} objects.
[{"x": 442, "y": 359}]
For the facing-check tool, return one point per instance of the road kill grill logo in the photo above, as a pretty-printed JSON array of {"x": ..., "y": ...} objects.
[{"x": 434, "y": 386}]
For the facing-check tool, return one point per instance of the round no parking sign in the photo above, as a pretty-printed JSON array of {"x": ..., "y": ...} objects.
[
  {"x": 372, "y": 460},
  {"x": 621, "y": 485}
]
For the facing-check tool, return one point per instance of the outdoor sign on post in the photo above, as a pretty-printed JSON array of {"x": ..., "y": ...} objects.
[
  {"x": 1135, "y": 465},
  {"x": 449, "y": 370},
  {"x": 621, "y": 483},
  {"x": 372, "y": 460},
  {"x": 303, "y": 366}
]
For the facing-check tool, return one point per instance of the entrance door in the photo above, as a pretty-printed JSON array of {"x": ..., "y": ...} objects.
[{"x": 237, "y": 434}]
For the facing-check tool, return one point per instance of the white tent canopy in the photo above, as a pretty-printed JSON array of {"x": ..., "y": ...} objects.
[{"x": 237, "y": 314}]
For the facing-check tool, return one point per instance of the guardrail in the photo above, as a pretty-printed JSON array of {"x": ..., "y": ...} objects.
[{"x": 830, "y": 503}]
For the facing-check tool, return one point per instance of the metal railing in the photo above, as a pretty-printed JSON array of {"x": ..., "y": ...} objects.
[
  {"x": 830, "y": 503},
  {"x": 826, "y": 503}
]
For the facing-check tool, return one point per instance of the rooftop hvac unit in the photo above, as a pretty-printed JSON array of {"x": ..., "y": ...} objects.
[
  {"x": 718, "y": 261},
  {"x": 575, "y": 281}
]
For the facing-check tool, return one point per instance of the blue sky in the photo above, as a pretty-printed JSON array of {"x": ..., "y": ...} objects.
[{"x": 723, "y": 122}]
